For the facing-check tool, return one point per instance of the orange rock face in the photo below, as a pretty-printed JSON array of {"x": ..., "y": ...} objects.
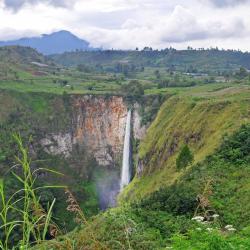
[{"x": 99, "y": 125}]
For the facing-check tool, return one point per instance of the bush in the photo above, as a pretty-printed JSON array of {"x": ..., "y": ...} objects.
[
  {"x": 206, "y": 240},
  {"x": 185, "y": 158},
  {"x": 236, "y": 149},
  {"x": 133, "y": 89},
  {"x": 176, "y": 199}
]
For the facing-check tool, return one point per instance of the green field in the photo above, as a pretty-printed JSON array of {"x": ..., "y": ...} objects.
[{"x": 25, "y": 70}]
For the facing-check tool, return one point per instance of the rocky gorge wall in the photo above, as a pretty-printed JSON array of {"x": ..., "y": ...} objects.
[
  {"x": 98, "y": 126},
  {"x": 80, "y": 136},
  {"x": 97, "y": 130}
]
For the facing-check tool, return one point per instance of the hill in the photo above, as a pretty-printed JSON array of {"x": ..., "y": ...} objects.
[
  {"x": 25, "y": 69},
  {"x": 191, "y": 61},
  {"x": 20, "y": 55},
  {"x": 57, "y": 42},
  {"x": 199, "y": 117}
]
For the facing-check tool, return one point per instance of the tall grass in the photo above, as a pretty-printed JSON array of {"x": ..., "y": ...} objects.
[{"x": 33, "y": 222}]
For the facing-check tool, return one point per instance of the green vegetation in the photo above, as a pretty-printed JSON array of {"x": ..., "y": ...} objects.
[
  {"x": 25, "y": 70},
  {"x": 133, "y": 89},
  {"x": 111, "y": 72},
  {"x": 23, "y": 219},
  {"x": 198, "y": 117},
  {"x": 203, "y": 240},
  {"x": 195, "y": 213},
  {"x": 190, "y": 61},
  {"x": 191, "y": 186},
  {"x": 184, "y": 158},
  {"x": 34, "y": 115},
  {"x": 212, "y": 180}
]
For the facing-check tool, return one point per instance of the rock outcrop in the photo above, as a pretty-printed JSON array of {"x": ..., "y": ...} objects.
[
  {"x": 58, "y": 144},
  {"x": 139, "y": 131},
  {"x": 98, "y": 126}
]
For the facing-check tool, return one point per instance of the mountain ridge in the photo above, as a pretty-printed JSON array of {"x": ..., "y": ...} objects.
[{"x": 54, "y": 43}]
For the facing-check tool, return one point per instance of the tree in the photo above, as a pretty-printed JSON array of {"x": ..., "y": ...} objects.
[
  {"x": 242, "y": 73},
  {"x": 133, "y": 88},
  {"x": 157, "y": 74},
  {"x": 16, "y": 75},
  {"x": 84, "y": 68},
  {"x": 184, "y": 158},
  {"x": 163, "y": 83},
  {"x": 63, "y": 83}
]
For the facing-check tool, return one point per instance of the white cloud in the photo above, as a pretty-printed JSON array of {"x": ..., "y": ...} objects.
[
  {"x": 18, "y": 4},
  {"x": 132, "y": 23}
]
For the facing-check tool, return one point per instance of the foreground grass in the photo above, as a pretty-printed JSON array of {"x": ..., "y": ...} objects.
[{"x": 24, "y": 221}]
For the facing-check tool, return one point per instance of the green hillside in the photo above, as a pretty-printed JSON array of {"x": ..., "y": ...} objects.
[
  {"x": 24, "y": 69},
  {"x": 199, "y": 119},
  {"x": 163, "y": 199},
  {"x": 19, "y": 62},
  {"x": 21, "y": 55},
  {"x": 110, "y": 72},
  {"x": 205, "y": 61}
]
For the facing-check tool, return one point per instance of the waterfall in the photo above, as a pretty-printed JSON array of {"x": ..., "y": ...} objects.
[{"x": 125, "y": 175}]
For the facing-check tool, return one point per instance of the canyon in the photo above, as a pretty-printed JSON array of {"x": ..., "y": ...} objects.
[
  {"x": 96, "y": 130},
  {"x": 97, "y": 125},
  {"x": 80, "y": 136}
]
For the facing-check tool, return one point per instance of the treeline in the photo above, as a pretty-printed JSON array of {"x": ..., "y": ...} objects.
[{"x": 206, "y": 60}]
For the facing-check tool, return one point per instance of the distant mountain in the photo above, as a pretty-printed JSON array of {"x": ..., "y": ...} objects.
[{"x": 55, "y": 43}]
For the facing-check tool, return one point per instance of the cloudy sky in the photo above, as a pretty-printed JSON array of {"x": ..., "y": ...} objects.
[{"x": 127, "y": 24}]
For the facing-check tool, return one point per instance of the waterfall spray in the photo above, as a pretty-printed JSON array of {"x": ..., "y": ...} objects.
[{"x": 125, "y": 176}]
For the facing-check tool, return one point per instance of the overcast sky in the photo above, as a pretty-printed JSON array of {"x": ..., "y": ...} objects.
[{"x": 127, "y": 24}]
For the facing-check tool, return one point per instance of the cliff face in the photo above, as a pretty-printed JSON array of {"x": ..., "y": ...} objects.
[
  {"x": 86, "y": 133},
  {"x": 98, "y": 126}
]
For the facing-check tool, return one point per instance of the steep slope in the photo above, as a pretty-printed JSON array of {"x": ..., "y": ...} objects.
[
  {"x": 57, "y": 42},
  {"x": 218, "y": 199},
  {"x": 197, "y": 119}
]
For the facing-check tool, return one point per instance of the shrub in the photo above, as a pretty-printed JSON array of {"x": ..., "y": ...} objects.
[
  {"x": 185, "y": 158},
  {"x": 133, "y": 89},
  {"x": 206, "y": 240},
  {"x": 236, "y": 149}
]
